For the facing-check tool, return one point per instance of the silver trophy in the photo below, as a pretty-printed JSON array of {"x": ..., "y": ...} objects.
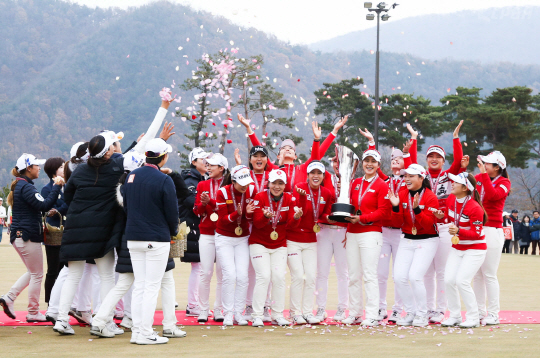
[{"x": 347, "y": 164}]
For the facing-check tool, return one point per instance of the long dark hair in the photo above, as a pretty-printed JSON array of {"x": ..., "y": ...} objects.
[
  {"x": 426, "y": 183},
  {"x": 525, "y": 216},
  {"x": 95, "y": 146},
  {"x": 476, "y": 195},
  {"x": 76, "y": 160},
  {"x": 226, "y": 177}
]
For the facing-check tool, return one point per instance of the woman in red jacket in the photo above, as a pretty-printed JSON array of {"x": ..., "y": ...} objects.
[
  {"x": 364, "y": 239},
  {"x": 466, "y": 217},
  {"x": 412, "y": 210},
  {"x": 232, "y": 249}
]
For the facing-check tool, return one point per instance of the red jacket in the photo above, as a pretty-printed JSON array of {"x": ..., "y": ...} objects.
[
  {"x": 259, "y": 182},
  {"x": 262, "y": 226},
  {"x": 408, "y": 159},
  {"x": 304, "y": 231},
  {"x": 375, "y": 205},
  {"x": 471, "y": 237},
  {"x": 227, "y": 211},
  {"x": 206, "y": 226},
  {"x": 494, "y": 197},
  {"x": 425, "y": 221}
]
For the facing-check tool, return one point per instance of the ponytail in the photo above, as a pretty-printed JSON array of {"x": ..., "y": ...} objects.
[
  {"x": 16, "y": 174},
  {"x": 426, "y": 183},
  {"x": 226, "y": 177},
  {"x": 476, "y": 195}
]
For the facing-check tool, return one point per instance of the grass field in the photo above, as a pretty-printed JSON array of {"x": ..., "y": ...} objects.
[{"x": 519, "y": 291}]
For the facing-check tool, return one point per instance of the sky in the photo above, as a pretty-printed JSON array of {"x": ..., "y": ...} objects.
[{"x": 308, "y": 21}]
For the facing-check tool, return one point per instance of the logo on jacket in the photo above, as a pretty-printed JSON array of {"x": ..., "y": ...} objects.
[
  {"x": 39, "y": 197},
  {"x": 357, "y": 187},
  {"x": 150, "y": 246},
  {"x": 19, "y": 233},
  {"x": 477, "y": 222}
]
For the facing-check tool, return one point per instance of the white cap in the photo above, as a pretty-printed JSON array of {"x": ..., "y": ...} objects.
[
  {"x": 277, "y": 174},
  {"x": 461, "y": 178},
  {"x": 156, "y": 148},
  {"x": 27, "y": 160},
  {"x": 110, "y": 138},
  {"x": 241, "y": 175},
  {"x": 315, "y": 165},
  {"x": 288, "y": 142},
  {"x": 414, "y": 169},
  {"x": 133, "y": 160},
  {"x": 372, "y": 153},
  {"x": 436, "y": 149},
  {"x": 74, "y": 149},
  {"x": 396, "y": 153},
  {"x": 197, "y": 153},
  {"x": 495, "y": 157},
  {"x": 505, "y": 213},
  {"x": 217, "y": 159}
]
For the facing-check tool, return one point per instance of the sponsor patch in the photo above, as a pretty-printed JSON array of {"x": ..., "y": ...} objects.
[
  {"x": 229, "y": 202},
  {"x": 19, "y": 233},
  {"x": 285, "y": 208},
  {"x": 293, "y": 199},
  {"x": 404, "y": 205},
  {"x": 357, "y": 187},
  {"x": 371, "y": 190},
  {"x": 39, "y": 197},
  {"x": 131, "y": 178},
  {"x": 256, "y": 202},
  {"x": 477, "y": 222}
]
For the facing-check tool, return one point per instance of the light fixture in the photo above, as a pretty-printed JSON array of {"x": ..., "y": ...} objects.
[
  {"x": 385, "y": 17},
  {"x": 381, "y": 5},
  {"x": 367, "y": 5},
  {"x": 370, "y": 16}
]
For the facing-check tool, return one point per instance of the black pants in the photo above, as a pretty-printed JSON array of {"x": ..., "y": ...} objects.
[
  {"x": 53, "y": 269},
  {"x": 524, "y": 250},
  {"x": 506, "y": 247},
  {"x": 534, "y": 244}
]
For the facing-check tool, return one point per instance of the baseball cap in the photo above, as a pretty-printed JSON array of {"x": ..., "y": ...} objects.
[
  {"x": 217, "y": 159},
  {"x": 396, "y": 153},
  {"x": 288, "y": 142},
  {"x": 27, "y": 160},
  {"x": 277, "y": 174},
  {"x": 372, "y": 153},
  {"x": 505, "y": 213},
  {"x": 156, "y": 148},
  {"x": 110, "y": 138},
  {"x": 315, "y": 165},
  {"x": 414, "y": 169},
  {"x": 495, "y": 157},
  {"x": 436, "y": 149},
  {"x": 133, "y": 160},
  {"x": 257, "y": 149},
  {"x": 461, "y": 178},
  {"x": 197, "y": 153},
  {"x": 241, "y": 175},
  {"x": 515, "y": 211}
]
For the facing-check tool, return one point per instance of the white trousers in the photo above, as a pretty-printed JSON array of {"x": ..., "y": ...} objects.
[
  {"x": 31, "y": 255},
  {"x": 193, "y": 284},
  {"x": 434, "y": 279},
  {"x": 486, "y": 278},
  {"x": 412, "y": 261},
  {"x": 302, "y": 260},
  {"x": 207, "y": 253},
  {"x": 233, "y": 253},
  {"x": 149, "y": 260},
  {"x": 330, "y": 243},
  {"x": 252, "y": 278},
  {"x": 270, "y": 266},
  {"x": 389, "y": 249},
  {"x": 460, "y": 270},
  {"x": 105, "y": 267},
  {"x": 94, "y": 281},
  {"x": 363, "y": 254},
  {"x": 83, "y": 298}
]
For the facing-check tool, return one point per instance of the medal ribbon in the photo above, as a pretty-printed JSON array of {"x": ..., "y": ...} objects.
[
  {"x": 315, "y": 207},
  {"x": 457, "y": 219},
  {"x": 276, "y": 217},
  {"x": 360, "y": 195},
  {"x": 483, "y": 192},
  {"x": 291, "y": 180},
  {"x": 411, "y": 211},
  {"x": 436, "y": 183},
  {"x": 395, "y": 191},
  {"x": 239, "y": 220},
  {"x": 258, "y": 187}
]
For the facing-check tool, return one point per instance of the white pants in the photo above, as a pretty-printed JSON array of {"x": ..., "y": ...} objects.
[
  {"x": 31, "y": 254},
  {"x": 460, "y": 270},
  {"x": 486, "y": 278},
  {"x": 363, "y": 254},
  {"x": 434, "y": 279},
  {"x": 302, "y": 260},
  {"x": 412, "y": 261},
  {"x": 193, "y": 284},
  {"x": 330, "y": 243},
  {"x": 94, "y": 281},
  {"x": 233, "y": 253},
  {"x": 149, "y": 260},
  {"x": 389, "y": 248},
  {"x": 270, "y": 266},
  {"x": 82, "y": 300},
  {"x": 105, "y": 266},
  {"x": 207, "y": 253}
]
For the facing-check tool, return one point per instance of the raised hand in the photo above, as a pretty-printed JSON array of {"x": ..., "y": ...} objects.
[
  {"x": 481, "y": 166},
  {"x": 416, "y": 201},
  {"x": 414, "y": 134},
  {"x": 239, "y": 209},
  {"x": 407, "y": 146},
  {"x": 140, "y": 137},
  {"x": 394, "y": 200},
  {"x": 205, "y": 198},
  {"x": 456, "y": 131},
  {"x": 237, "y": 158},
  {"x": 167, "y": 131},
  {"x": 245, "y": 123},
  {"x": 301, "y": 191},
  {"x": 340, "y": 124},
  {"x": 465, "y": 161},
  {"x": 366, "y": 134},
  {"x": 316, "y": 130}
]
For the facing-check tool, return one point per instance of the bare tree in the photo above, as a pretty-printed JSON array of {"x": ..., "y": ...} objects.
[{"x": 525, "y": 193}]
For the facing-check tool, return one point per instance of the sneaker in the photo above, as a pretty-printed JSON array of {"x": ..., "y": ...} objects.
[
  {"x": 193, "y": 311},
  {"x": 340, "y": 315},
  {"x": 394, "y": 317},
  {"x": 7, "y": 305},
  {"x": 101, "y": 332},
  {"x": 248, "y": 312},
  {"x": 239, "y": 319},
  {"x": 38, "y": 317},
  {"x": 113, "y": 328},
  {"x": 266, "y": 315},
  {"x": 321, "y": 314},
  {"x": 436, "y": 317},
  {"x": 490, "y": 319},
  {"x": 470, "y": 324},
  {"x": 203, "y": 316},
  {"x": 298, "y": 319},
  {"x": 368, "y": 322},
  {"x": 352, "y": 320},
  {"x": 218, "y": 316},
  {"x": 406, "y": 321},
  {"x": 311, "y": 319},
  {"x": 382, "y": 315},
  {"x": 420, "y": 321},
  {"x": 281, "y": 321},
  {"x": 83, "y": 317},
  {"x": 126, "y": 323},
  {"x": 228, "y": 320},
  {"x": 154, "y": 338},
  {"x": 118, "y": 314},
  {"x": 134, "y": 336},
  {"x": 63, "y": 328},
  {"x": 257, "y": 322},
  {"x": 451, "y": 321},
  {"x": 51, "y": 317},
  {"x": 174, "y": 333}
]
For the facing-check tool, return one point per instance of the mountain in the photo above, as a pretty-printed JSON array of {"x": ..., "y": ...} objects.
[
  {"x": 508, "y": 34},
  {"x": 67, "y": 72}
]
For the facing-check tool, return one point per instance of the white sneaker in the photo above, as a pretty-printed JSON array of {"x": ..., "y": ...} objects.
[
  {"x": 218, "y": 316},
  {"x": 154, "y": 338},
  {"x": 118, "y": 314},
  {"x": 470, "y": 324},
  {"x": 420, "y": 321},
  {"x": 405, "y": 321},
  {"x": 266, "y": 315},
  {"x": 174, "y": 333},
  {"x": 126, "y": 323},
  {"x": 436, "y": 317},
  {"x": 281, "y": 321},
  {"x": 193, "y": 311},
  {"x": 203, "y": 316},
  {"x": 368, "y": 322},
  {"x": 321, "y": 314},
  {"x": 228, "y": 321},
  {"x": 51, "y": 317},
  {"x": 113, "y": 328},
  {"x": 101, "y": 332},
  {"x": 63, "y": 328},
  {"x": 451, "y": 321},
  {"x": 83, "y": 317},
  {"x": 239, "y": 319},
  {"x": 257, "y": 322},
  {"x": 311, "y": 319},
  {"x": 340, "y": 315},
  {"x": 7, "y": 305},
  {"x": 134, "y": 336},
  {"x": 298, "y": 319},
  {"x": 394, "y": 317},
  {"x": 490, "y": 319},
  {"x": 38, "y": 317},
  {"x": 248, "y": 312},
  {"x": 352, "y": 320},
  {"x": 382, "y": 315}
]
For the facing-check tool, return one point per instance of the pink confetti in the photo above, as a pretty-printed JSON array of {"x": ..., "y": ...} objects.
[
  {"x": 288, "y": 334},
  {"x": 29, "y": 332},
  {"x": 438, "y": 345}
]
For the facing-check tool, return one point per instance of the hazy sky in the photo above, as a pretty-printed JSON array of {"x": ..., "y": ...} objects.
[{"x": 307, "y": 21}]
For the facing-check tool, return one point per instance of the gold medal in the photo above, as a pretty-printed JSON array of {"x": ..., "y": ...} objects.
[
  {"x": 414, "y": 231},
  {"x": 316, "y": 228},
  {"x": 238, "y": 231},
  {"x": 455, "y": 240},
  {"x": 274, "y": 235},
  {"x": 214, "y": 217}
]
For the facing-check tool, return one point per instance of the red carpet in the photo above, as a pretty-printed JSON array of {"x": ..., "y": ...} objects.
[{"x": 505, "y": 317}]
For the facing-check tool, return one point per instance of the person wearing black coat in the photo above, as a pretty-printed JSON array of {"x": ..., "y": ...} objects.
[
  {"x": 517, "y": 226},
  {"x": 524, "y": 235},
  {"x": 27, "y": 233}
]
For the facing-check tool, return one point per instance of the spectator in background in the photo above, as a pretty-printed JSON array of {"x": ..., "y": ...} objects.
[
  {"x": 507, "y": 242},
  {"x": 3, "y": 217},
  {"x": 535, "y": 231},
  {"x": 524, "y": 235},
  {"x": 517, "y": 226}
]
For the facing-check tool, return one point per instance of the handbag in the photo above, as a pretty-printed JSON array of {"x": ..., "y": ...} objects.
[
  {"x": 179, "y": 242},
  {"x": 53, "y": 234}
]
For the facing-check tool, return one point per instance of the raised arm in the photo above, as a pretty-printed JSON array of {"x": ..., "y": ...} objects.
[
  {"x": 455, "y": 168},
  {"x": 154, "y": 127}
]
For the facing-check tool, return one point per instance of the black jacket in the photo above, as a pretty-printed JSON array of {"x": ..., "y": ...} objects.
[
  {"x": 191, "y": 179},
  {"x": 93, "y": 226},
  {"x": 60, "y": 205},
  {"x": 524, "y": 233},
  {"x": 26, "y": 210}
]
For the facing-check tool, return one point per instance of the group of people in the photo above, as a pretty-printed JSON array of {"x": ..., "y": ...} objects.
[
  {"x": 442, "y": 229},
  {"x": 522, "y": 233}
]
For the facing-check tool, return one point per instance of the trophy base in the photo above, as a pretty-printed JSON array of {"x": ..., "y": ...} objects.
[{"x": 341, "y": 211}]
